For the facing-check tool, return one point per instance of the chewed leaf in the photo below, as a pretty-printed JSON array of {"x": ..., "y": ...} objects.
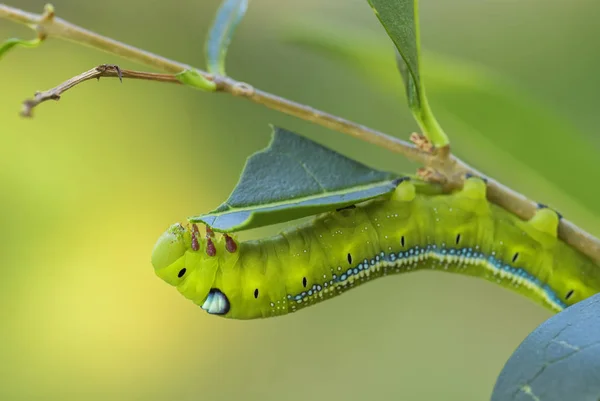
[
  {"x": 400, "y": 18},
  {"x": 292, "y": 178},
  {"x": 559, "y": 360},
  {"x": 10, "y": 43},
  {"x": 194, "y": 79},
  {"x": 228, "y": 17}
]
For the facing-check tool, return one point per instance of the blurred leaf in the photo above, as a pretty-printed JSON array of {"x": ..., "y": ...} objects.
[
  {"x": 10, "y": 43},
  {"x": 400, "y": 18},
  {"x": 497, "y": 113},
  {"x": 228, "y": 17},
  {"x": 196, "y": 80},
  {"x": 295, "y": 177},
  {"x": 559, "y": 360}
]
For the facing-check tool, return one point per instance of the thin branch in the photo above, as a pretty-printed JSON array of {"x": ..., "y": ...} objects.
[
  {"x": 451, "y": 168},
  {"x": 104, "y": 70},
  {"x": 48, "y": 25}
]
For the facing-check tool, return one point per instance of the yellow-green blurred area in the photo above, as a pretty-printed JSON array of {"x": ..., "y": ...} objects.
[{"x": 88, "y": 185}]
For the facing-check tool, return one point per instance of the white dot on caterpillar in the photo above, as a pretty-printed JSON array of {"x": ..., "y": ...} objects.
[{"x": 272, "y": 304}]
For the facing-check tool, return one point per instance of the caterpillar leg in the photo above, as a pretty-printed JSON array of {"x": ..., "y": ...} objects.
[
  {"x": 469, "y": 175},
  {"x": 546, "y": 220},
  {"x": 405, "y": 191},
  {"x": 542, "y": 206},
  {"x": 474, "y": 188}
]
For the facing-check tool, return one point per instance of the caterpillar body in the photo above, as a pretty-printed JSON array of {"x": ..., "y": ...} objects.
[{"x": 407, "y": 231}]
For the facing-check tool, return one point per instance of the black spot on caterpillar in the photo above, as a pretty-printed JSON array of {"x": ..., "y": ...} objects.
[{"x": 459, "y": 232}]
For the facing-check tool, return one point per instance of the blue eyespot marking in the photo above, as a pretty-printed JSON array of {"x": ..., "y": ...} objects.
[{"x": 216, "y": 302}]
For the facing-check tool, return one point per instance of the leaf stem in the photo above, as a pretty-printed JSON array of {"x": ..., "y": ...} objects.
[{"x": 451, "y": 168}]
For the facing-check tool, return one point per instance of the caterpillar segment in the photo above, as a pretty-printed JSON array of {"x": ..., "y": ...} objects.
[{"x": 408, "y": 231}]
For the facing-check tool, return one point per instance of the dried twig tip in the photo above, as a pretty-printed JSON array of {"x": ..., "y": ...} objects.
[
  {"x": 421, "y": 142},
  {"x": 430, "y": 175}
]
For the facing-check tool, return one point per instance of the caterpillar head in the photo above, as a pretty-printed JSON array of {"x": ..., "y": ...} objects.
[{"x": 186, "y": 261}]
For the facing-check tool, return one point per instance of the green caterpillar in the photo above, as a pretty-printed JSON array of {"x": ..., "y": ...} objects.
[{"x": 406, "y": 231}]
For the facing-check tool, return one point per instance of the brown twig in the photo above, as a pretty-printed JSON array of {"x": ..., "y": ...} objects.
[
  {"x": 104, "y": 70},
  {"x": 449, "y": 169},
  {"x": 49, "y": 25}
]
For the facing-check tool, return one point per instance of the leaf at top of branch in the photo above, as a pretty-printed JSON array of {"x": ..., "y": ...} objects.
[
  {"x": 400, "y": 18},
  {"x": 196, "y": 80},
  {"x": 12, "y": 42},
  {"x": 559, "y": 360},
  {"x": 292, "y": 178},
  {"x": 226, "y": 21}
]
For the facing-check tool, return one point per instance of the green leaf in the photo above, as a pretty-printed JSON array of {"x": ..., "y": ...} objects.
[
  {"x": 400, "y": 18},
  {"x": 228, "y": 17},
  {"x": 559, "y": 360},
  {"x": 10, "y": 43},
  {"x": 295, "y": 177},
  {"x": 196, "y": 80}
]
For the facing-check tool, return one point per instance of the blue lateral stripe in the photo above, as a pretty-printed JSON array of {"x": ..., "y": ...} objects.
[{"x": 451, "y": 255}]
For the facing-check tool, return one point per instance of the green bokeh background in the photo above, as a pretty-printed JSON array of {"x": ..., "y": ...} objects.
[{"x": 88, "y": 185}]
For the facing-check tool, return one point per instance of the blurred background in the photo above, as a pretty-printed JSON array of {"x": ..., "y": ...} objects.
[{"x": 89, "y": 184}]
